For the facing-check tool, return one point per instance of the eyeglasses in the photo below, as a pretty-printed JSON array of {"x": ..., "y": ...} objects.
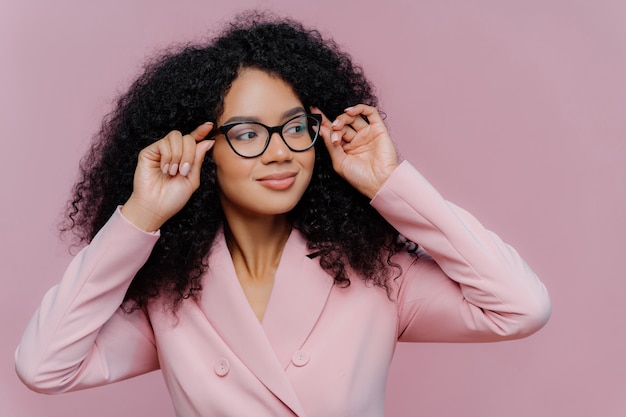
[{"x": 251, "y": 139}]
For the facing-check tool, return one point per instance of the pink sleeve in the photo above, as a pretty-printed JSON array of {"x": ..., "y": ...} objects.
[
  {"x": 79, "y": 337},
  {"x": 467, "y": 285}
]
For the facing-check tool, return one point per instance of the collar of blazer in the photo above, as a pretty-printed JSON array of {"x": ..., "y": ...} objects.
[{"x": 301, "y": 289}]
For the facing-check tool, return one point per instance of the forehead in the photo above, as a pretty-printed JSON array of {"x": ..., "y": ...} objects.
[{"x": 260, "y": 96}]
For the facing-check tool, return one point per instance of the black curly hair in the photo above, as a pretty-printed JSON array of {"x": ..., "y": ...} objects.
[{"x": 184, "y": 87}]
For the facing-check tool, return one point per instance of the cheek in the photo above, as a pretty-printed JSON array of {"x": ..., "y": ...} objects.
[
  {"x": 231, "y": 184},
  {"x": 228, "y": 175},
  {"x": 228, "y": 167},
  {"x": 229, "y": 178},
  {"x": 308, "y": 159},
  {"x": 310, "y": 164}
]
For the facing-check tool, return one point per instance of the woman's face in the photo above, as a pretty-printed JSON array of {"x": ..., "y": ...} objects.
[{"x": 272, "y": 183}]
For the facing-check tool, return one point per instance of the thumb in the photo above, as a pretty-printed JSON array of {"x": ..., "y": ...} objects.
[{"x": 202, "y": 148}]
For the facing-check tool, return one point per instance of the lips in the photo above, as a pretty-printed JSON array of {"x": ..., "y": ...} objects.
[{"x": 278, "y": 181}]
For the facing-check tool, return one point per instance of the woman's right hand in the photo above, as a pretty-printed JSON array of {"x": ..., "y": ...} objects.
[{"x": 167, "y": 174}]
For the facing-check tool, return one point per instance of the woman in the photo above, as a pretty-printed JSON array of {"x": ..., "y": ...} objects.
[{"x": 260, "y": 253}]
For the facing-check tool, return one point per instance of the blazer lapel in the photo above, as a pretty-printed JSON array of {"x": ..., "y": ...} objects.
[
  {"x": 301, "y": 289},
  {"x": 228, "y": 310}
]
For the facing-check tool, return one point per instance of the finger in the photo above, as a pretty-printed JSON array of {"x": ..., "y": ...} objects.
[
  {"x": 326, "y": 127},
  {"x": 190, "y": 147},
  {"x": 175, "y": 140},
  {"x": 201, "y": 131},
  {"x": 335, "y": 135},
  {"x": 371, "y": 113},
  {"x": 188, "y": 155},
  {"x": 346, "y": 134},
  {"x": 200, "y": 152},
  {"x": 183, "y": 148},
  {"x": 360, "y": 122},
  {"x": 164, "y": 153},
  {"x": 332, "y": 143},
  {"x": 342, "y": 121},
  {"x": 347, "y": 126}
]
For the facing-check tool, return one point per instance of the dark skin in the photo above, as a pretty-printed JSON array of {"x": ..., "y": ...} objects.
[{"x": 168, "y": 172}]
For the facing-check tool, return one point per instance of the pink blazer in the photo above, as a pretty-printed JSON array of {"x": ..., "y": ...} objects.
[{"x": 321, "y": 350}]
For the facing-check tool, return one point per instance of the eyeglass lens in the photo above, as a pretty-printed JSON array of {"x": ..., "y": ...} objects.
[{"x": 249, "y": 139}]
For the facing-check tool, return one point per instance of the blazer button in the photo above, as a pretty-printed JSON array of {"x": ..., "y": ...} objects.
[
  {"x": 222, "y": 366},
  {"x": 300, "y": 358}
]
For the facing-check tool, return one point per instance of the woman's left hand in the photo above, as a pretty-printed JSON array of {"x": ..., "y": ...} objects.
[{"x": 361, "y": 150}]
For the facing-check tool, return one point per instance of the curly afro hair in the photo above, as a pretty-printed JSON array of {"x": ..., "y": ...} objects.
[{"x": 184, "y": 87}]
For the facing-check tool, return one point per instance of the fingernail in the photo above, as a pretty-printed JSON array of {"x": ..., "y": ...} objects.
[
  {"x": 184, "y": 169},
  {"x": 208, "y": 123},
  {"x": 334, "y": 138},
  {"x": 336, "y": 122},
  {"x": 166, "y": 168},
  {"x": 173, "y": 169}
]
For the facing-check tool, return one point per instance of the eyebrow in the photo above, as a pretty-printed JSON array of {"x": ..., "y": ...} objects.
[{"x": 289, "y": 113}]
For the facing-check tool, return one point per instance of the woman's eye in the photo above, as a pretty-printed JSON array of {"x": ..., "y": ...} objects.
[
  {"x": 246, "y": 135},
  {"x": 244, "y": 132},
  {"x": 296, "y": 128}
]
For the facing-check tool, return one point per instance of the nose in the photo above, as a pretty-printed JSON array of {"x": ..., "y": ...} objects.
[{"x": 277, "y": 150}]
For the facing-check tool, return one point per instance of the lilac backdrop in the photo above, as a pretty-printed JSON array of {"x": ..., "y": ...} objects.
[{"x": 514, "y": 110}]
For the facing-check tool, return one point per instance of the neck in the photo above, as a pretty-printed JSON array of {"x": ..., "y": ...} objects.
[{"x": 256, "y": 244}]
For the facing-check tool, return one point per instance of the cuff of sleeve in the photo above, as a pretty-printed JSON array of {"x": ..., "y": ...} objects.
[
  {"x": 413, "y": 206},
  {"x": 118, "y": 213},
  {"x": 406, "y": 185}
]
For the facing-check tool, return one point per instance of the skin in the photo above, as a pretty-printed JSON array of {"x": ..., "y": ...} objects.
[
  {"x": 255, "y": 207},
  {"x": 254, "y": 203}
]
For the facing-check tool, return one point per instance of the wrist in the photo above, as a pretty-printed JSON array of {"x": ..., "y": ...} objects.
[
  {"x": 141, "y": 216},
  {"x": 372, "y": 187}
]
